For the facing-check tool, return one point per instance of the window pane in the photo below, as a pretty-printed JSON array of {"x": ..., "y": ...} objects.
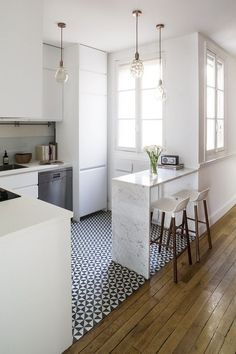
[
  {"x": 152, "y": 132},
  {"x": 210, "y": 70},
  {"x": 126, "y": 133},
  {"x": 210, "y": 102},
  {"x": 220, "y": 133},
  {"x": 210, "y": 134},
  {"x": 220, "y": 104},
  {"x": 220, "y": 75},
  {"x": 151, "y": 74},
  {"x": 125, "y": 79},
  {"x": 126, "y": 104},
  {"x": 151, "y": 106}
]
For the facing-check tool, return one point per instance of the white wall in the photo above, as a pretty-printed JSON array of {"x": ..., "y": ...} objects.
[
  {"x": 180, "y": 111},
  {"x": 219, "y": 175},
  {"x": 23, "y": 138}
]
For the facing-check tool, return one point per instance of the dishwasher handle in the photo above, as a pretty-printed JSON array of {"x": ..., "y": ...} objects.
[{"x": 56, "y": 175}]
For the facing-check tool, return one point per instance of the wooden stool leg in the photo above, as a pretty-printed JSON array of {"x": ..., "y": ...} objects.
[
  {"x": 174, "y": 250},
  {"x": 197, "y": 234},
  {"x": 182, "y": 226},
  {"x": 207, "y": 224},
  {"x": 162, "y": 229},
  {"x": 169, "y": 233},
  {"x": 187, "y": 236}
]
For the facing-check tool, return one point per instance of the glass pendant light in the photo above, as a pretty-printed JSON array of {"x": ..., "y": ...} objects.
[
  {"x": 160, "y": 91},
  {"x": 61, "y": 75},
  {"x": 136, "y": 68}
]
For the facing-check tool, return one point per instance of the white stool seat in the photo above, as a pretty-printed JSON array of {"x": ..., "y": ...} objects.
[
  {"x": 193, "y": 195},
  {"x": 196, "y": 197},
  {"x": 170, "y": 205}
]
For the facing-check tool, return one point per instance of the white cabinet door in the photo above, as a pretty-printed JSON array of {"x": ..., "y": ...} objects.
[
  {"x": 19, "y": 180},
  {"x": 92, "y": 60},
  {"x": 51, "y": 56},
  {"x": 93, "y": 190},
  {"x": 21, "y": 29},
  {"x": 92, "y": 83},
  {"x": 23, "y": 183},
  {"x": 31, "y": 191},
  {"x": 92, "y": 131},
  {"x": 52, "y": 96}
]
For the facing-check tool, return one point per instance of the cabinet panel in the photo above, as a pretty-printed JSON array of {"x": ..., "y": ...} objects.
[
  {"x": 52, "y": 96},
  {"x": 92, "y": 83},
  {"x": 93, "y": 60},
  {"x": 19, "y": 180},
  {"x": 93, "y": 190},
  {"x": 51, "y": 57},
  {"x": 31, "y": 191},
  {"x": 21, "y": 59},
  {"x": 92, "y": 131}
]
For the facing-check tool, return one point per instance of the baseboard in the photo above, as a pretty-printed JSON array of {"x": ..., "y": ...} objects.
[{"x": 222, "y": 211}]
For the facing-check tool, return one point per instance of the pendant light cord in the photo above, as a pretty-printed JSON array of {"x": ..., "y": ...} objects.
[
  {"x": 160, "y": 53},
  {"x": 136, "y": 33},
  {"x": 61, "y": 48}
]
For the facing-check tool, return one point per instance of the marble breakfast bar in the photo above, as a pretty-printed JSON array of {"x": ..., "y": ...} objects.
[{"x": 131, "y": 209}]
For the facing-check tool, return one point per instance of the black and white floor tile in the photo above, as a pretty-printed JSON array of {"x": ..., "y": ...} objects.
[{"x": 98, "y": 284}]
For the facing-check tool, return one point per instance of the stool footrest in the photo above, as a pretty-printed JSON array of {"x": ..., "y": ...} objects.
[{"x": 202, "y": 222}]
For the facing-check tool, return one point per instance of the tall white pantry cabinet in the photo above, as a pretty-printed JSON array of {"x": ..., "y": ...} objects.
[{"x": 82, "y": 135}]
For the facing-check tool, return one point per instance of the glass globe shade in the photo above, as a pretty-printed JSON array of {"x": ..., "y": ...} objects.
[
  {"x": 137, "y": 68},
  {"x": 61, "y": 75}
]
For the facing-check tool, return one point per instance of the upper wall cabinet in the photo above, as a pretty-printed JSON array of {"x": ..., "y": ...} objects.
[
  {"x": 52, "y": 90},
  {"x": 21, "y": 59}
]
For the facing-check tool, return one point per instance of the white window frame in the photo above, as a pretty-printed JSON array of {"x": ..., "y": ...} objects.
[
  {"x": 138, "y": 126},
  {"x": 219, "y": 56}
]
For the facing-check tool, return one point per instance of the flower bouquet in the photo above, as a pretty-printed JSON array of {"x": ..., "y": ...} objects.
[{"x": 154, "y": 152}]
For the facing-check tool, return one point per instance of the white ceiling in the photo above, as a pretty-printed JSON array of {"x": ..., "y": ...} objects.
[{"x": 109, "y": 25}]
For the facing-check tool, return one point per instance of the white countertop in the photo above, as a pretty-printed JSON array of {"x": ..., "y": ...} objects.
[
  {"x": 146, "y": 179},
  {"x": 24, "y": 212},
  {"x": 34, "y": 167}
]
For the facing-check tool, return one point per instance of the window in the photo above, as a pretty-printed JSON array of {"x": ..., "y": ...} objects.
[
  {"x": 215, "y": 103},
  {"x": 139, "y": 113}
]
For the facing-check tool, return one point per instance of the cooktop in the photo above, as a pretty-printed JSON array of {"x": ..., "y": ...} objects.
[{"x": 6, "y": 195}]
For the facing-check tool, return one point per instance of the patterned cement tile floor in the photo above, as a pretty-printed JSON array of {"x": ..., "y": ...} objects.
[{"x": 98, "y": 284}]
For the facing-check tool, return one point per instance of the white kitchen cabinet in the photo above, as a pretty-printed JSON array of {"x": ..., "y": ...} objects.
[
  {"x": 92, "y": 130},
  {"x": 92, "y": 60},
  {"x": 82, "y": 135},
  {"x": 52, "y": 90},
  {"x": 22, "y": 183},
  {"x": 21, "y": 59},
  {"x": 93, "y": 190}
]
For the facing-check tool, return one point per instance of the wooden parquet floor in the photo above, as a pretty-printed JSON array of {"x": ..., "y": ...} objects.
[{"x": 197, "y": 315}]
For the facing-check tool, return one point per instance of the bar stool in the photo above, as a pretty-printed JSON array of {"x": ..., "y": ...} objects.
[
  {"x": 195, "y": 197},
  {"x": 173, "y": 206}
]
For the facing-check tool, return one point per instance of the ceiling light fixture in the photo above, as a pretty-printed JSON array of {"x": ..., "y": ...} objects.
[
  {"x": 161, "y": 91},
  {"x": 61, "y": 75},
  {"x": 137, "y": 64}
]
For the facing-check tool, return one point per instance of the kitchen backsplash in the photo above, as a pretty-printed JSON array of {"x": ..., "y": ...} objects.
[{"x": 23, "y": 139}]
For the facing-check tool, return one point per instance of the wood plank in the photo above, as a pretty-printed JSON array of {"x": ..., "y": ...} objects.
[{"x": 197, "y": 326}]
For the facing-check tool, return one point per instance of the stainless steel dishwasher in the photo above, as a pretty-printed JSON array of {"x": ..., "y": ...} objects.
[{"x": 55, "y": 187}]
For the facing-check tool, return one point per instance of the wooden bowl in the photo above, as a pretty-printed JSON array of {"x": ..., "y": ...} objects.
[{"x": 23, "y": 157}]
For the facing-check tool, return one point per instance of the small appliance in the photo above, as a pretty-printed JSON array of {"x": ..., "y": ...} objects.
[{"x": 170, "y": 160}]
